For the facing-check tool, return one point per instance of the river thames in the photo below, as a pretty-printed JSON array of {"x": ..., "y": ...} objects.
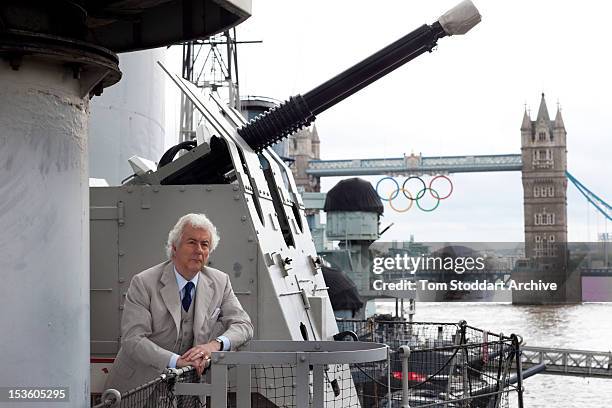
[{"x": 587, "y": 326}]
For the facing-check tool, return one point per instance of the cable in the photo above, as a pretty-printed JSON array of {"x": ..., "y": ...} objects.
[
  {"x": 593, "y": 198},
  {"x": 168, "y": 157}
]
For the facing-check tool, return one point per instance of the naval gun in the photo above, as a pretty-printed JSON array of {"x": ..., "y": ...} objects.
[
  {"x": 249, "y": 193},
  {"x": 300, "y": 110}
]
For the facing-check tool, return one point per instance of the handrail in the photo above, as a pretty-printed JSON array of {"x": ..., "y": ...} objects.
[{"x": 302, "y": 356}]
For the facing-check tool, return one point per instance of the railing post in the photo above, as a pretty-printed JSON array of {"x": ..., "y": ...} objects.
[
  {"x": 218, "y": 380},
  {"x": 519, "y": 369},
  {"x": 500, "y": 368},
  {"x": 459, "y": 339},
  {"x": 318, "y": 386},
  {"x": 465, "y": 362},
  {"x": 243, "y": 383},
  {"x": 302, "y": 394},
  {"x": 405, "y": 355},
  {"x": 389, "y": 376}
]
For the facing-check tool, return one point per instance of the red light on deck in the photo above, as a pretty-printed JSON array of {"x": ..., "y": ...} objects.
[{"x": 412, "y": 376}]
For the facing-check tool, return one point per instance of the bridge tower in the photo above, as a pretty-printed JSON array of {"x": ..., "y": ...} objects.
[
  {"x": 544, "y": 156},
  {"x": 544, "y": 153}
]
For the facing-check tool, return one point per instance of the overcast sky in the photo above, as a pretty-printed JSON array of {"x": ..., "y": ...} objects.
[{"x": 465, "y": 98}]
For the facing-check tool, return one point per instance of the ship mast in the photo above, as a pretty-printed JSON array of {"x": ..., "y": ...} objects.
[{"x": 210, "y": 65}]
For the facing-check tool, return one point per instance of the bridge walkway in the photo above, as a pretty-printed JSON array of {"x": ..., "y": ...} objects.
[{"x": 583, "y": 363}]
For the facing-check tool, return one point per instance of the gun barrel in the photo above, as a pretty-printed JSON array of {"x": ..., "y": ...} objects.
[
  {"x": 300, "y": 111},
  {"x": 374, "y": 67}
]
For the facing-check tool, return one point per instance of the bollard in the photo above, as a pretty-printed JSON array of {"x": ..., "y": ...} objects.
[{"x": 405, "y": 355}]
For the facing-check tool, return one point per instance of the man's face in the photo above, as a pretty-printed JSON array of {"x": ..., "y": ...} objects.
[{"x": 191, "y": 253}]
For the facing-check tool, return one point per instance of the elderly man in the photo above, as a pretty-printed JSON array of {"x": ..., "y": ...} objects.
[{"x": 178, "y": 312}]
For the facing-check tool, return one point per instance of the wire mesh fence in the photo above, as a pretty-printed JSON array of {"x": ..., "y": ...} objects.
[
  {"x": 449, "y": 364},
  {"x": 157, "y": 393},
  {"x": 418, "y": 335},
  {"x": 275, "y": 386}
]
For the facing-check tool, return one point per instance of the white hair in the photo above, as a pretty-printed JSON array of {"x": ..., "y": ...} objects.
[{"x": 196, "y": 221}]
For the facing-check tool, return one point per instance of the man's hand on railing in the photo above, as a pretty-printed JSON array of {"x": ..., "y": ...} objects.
[
  {"x": 200, "y": 364},
  {"x": 201, "y": 351},
  {"x": 198, "y": 356}
]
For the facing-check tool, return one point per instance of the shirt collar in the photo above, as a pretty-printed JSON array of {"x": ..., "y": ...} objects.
[{"x": 181, "y": 282}]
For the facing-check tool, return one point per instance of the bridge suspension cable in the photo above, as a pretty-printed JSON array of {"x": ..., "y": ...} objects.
[{"x": 591, "y": 197}]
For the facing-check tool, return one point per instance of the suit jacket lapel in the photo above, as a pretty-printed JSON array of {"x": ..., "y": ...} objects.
[
  {"x": 203, "y": 302},
  {"x": 170, "y": 295}
]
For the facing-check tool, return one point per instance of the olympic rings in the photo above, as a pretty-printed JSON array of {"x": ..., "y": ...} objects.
[
  {"x": 436, "y": 196},
  {"x": 407, "y": 196},
  {"x": 449, "y": 182},
  {"x": 419, "y": 195},
  {"x": 392, "y": 195}
]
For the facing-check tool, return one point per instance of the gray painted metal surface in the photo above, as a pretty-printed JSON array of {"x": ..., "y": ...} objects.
[
  {"x": 352, "y": 225},
  {"x": 153, "y": 24},
  {"x": 128, "y": 118},
  {"x": 44, "y": 226},
  {"x": 314, "y": 201}
]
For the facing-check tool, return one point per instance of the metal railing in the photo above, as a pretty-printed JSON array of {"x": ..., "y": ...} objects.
[
  {"x": 443, "y": 364},
  {"x": 428, "y": 364},
  {"x": 157, "y": 393},
  {"x": 296, "y": 374}
]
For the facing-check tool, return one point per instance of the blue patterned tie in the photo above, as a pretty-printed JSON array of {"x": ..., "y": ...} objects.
[{"x": 187, "y": 296}]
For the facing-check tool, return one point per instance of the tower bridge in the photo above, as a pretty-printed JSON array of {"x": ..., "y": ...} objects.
[{"x": 543, "y": 164}]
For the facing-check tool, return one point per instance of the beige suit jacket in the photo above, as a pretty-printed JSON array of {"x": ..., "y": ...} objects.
[{"x": 152, "y": 317}]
